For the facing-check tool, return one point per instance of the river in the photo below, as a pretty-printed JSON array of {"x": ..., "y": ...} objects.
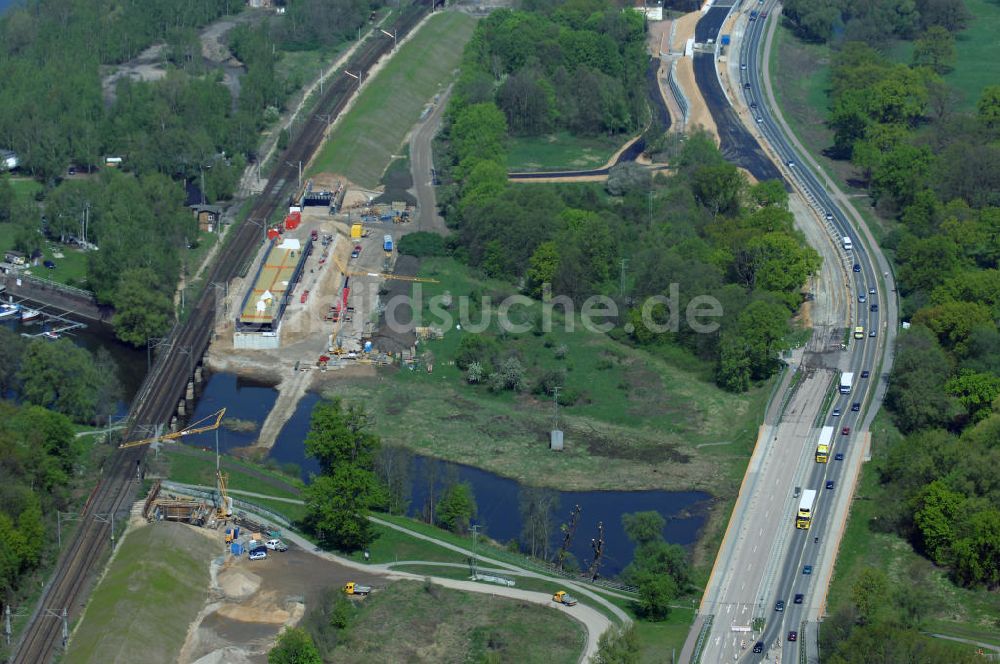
[{"x": 498, "y": 498}]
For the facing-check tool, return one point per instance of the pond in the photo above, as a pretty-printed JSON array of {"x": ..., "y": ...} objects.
[{"x": 500, "y": 500}]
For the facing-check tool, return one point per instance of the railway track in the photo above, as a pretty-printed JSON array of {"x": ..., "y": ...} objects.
[{"x": 157, "y": 399}]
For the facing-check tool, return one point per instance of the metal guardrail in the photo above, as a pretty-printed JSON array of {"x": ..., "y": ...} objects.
[
  {"x": 237, "y": 502},
  {"x": 41, "y": 282},
  {"x": 702, "y": 636},
  {"x": 679, "y": 95}
]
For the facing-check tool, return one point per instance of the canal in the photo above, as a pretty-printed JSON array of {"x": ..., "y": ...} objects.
[{"x": 499, "y": 499}]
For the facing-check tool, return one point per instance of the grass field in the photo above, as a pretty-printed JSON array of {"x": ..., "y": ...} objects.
[
  {"x": 559, "y": 152},
  {"x": 408, "y": 623},
  {"x": 977, "y": 63},
  {"x": 950, "y": 610},
  {"x": 637, "y": 424},
  {"x": 169, "y": 563},
  {"x": 363, "y": 142}
]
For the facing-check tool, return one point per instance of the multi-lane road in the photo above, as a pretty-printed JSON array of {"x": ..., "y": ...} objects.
[{"x": 763, "y": 556}]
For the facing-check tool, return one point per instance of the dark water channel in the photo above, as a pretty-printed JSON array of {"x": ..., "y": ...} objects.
[{"x": 498, "y": 498}]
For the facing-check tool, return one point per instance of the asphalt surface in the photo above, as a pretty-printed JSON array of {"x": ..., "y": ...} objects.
[
  {"x": 763, "y": 555},
  {"x": 421, "y": 164}
]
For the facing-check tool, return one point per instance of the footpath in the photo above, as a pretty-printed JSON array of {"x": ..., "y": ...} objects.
[{"x": 596, "y": 621}]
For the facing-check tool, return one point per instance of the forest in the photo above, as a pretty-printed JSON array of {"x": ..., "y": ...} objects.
[
  {"x": 702, "y": 231},
  {"x": 185, "y": 127}
]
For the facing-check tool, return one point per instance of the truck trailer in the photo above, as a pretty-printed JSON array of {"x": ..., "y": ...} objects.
[
  {"x": 387, "y": 244},
  {"x": 824, "y": 445},
  {"x": 846, "y": 382},
  {"x": 803, "y": 518}
]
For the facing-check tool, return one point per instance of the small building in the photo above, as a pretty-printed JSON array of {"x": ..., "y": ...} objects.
[
  {"x": 15, "y": 257},
  {"x": 112, "y": 162},
  {"x": 8, "y": 160},
  {"x": 207, "y": 216}
]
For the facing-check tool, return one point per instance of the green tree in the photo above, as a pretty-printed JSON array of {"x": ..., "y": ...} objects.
[
  {"x": 294, "y": 646},
  {"x": 953, "y": 322},
  {"x": 338, "y": 504},
  {"x": 338, "y": 437},
  {"x": 917, "y": 395},
  {"x": 656, "y": 592},
  {"x": 61, "y": 376},
  {"x": 644, "y": 527},
  {"x": 11, "y": 348},
  {"x": 542, "y": 267},
  {"x": 977, "y": 554},
  {"x": 618, "y": 646},
  {"x": 938, "y": 510},
  {"x": 141, "y": 311},
  {"x": 456, "y": 508},
  {"x": 988, "y": 106},
  {"x": 935, "y": 49},
  {"x": 975, "y": 391},
  {"x": 868, "y": 592}
]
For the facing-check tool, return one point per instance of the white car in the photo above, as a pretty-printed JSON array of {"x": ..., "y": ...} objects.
[
  {"x": 260, "y": 553},
  {"x": 276, "y": 545}
]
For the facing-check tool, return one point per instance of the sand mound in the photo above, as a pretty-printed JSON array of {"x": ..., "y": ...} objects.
[
  {"x": 266, "y": 608},
  {"x": 238, "y": 583},
  {"x": 229, "y": 655}
]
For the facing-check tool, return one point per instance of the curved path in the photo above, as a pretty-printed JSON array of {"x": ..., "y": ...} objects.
[{"x": 595, "y": 621}]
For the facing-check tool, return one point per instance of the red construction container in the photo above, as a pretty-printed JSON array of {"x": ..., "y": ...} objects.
[{"x": 293, "y": 220}]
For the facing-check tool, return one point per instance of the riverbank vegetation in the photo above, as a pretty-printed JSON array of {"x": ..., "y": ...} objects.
[
  {"x": 930, "y": 170},
  {"x": 179, "y": 125}
]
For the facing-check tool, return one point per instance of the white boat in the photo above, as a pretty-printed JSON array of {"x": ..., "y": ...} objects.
[
  {"x": 29, "y": 314},
  {"x": 8, "y": 310},
  {"x": 49, "y": 334}
]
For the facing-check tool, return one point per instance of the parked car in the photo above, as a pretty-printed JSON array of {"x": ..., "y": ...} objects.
[
  {"x": 260, "y": 553},
  {"x": 276, "y": 545},
  {"x": 50, "y": 265},
  {"x": 357, "y": 251},
  {"x": 305, "y": 296}
]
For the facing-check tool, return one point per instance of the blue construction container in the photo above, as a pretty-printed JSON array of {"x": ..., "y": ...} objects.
[{"x": 236, "y": 549}]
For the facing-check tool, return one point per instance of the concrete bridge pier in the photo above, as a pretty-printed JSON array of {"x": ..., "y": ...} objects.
[
  {"x": 181, "y": 408},
  {"x": 173, "y": 424},
  {"x": 189, "y": 393},
  {"x": 198, "y": 377}
]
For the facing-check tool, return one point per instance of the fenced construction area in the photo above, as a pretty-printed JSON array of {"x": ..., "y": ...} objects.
[{"x": 363, "y": 142}]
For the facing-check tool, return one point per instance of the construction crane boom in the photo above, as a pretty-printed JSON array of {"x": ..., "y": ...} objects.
[{"x": 215, "y": 420}]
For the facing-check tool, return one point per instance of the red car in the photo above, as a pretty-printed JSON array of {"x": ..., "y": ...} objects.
[
  {"x": 305, "y": 296},
  {"x": 846, "y": 431}
]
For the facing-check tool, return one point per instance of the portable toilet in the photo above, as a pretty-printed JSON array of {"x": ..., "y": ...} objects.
[
  {"x": 368, "y": 346},
  {"x": 236, "y": 532}
]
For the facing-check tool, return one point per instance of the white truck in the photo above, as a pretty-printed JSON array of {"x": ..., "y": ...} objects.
[
  {"x": 803, "y": 519},
  {"x": 846, "y": 382}
]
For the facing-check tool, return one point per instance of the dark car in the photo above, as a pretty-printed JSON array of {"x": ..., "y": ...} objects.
[
  {"x": 874, "y": 307},
  {"x": 779, "y": 605},
  {"x": 836, "y": 412},
  {"x": 758, "y": 647},
  {"x": 829, "y": 484},
  {"x": 799, "y": 597},
  {"x": 753, "y": 104},
  {"x": 793, "y": 636},
  {"x": 857, "y": 267},
  {"x": 50, "y": 265},
  {"x": 856, "y": 406},
  {"x": 839, "y": 456},
  {"x": 871, "y": 333},
  {"x": 846, "y": 431},
  {"x": 357, "y": 251},
  {"x": 71, "y": 171},
  {"x": 746, "y": 86},
  {"x": 808, "y": 569},
  {"x": 865, "y": 374}
]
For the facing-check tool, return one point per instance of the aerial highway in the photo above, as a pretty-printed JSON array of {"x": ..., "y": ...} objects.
[{"x": 765, "y": 558}]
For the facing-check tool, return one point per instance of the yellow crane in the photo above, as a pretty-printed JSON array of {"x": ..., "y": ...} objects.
[{"x": 193, "y": 428}]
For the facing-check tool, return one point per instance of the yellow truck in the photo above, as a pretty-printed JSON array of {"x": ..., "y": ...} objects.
[
  {"x": 562, "y": 597},
  {"x": 352, "y": 588}
]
